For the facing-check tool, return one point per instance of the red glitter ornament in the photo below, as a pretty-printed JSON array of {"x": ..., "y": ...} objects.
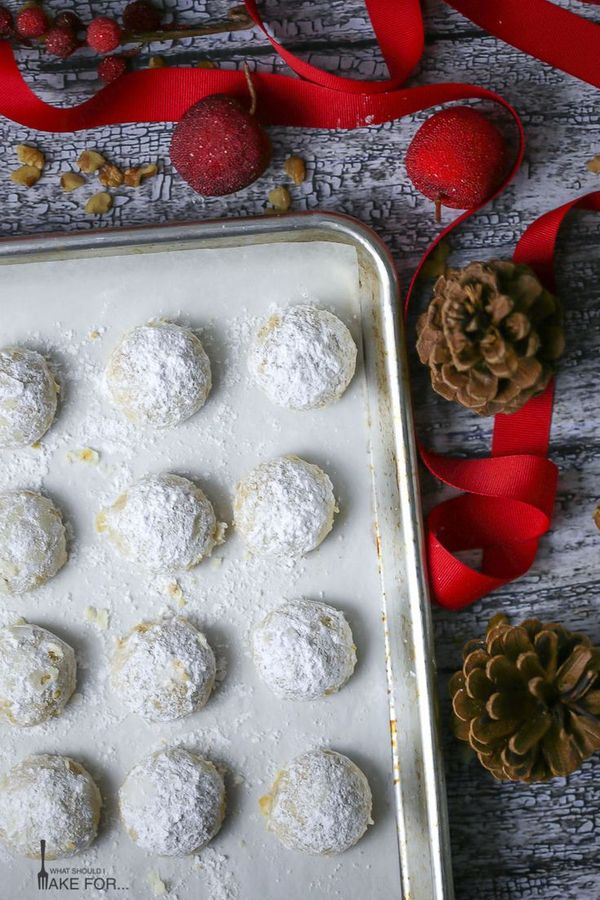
[
  {"x": 218, "y": 147},
  {"x": 141, "y": 16},
  {"x": 61, "y": 42},
  {"x": 111, "y": 68},
  {"x": 31, "y": 22},
  {"x": 6, "y": 22},
  {"x": 103, "y": 34},
  {"x": 457, "y": 158}
]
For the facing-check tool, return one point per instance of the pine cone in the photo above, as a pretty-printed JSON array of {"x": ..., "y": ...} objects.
[
  {"x": 527, "y": 700},
  {"x": 490, "y": 336}
]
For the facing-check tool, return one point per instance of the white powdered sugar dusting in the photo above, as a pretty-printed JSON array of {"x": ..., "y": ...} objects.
[
  {"x": 303, "y": 357},
  {"x": 37, "y": 674},
  {"x": 28, "y": 397},
  {"x": 159, "y": 374},
  {"x": 304, "y": 650},
  {"x": 164, "y": 522},
  {"x": 51, "y": 797},
  {"x": 164, "y": 670},
  {"x": 320, "y": 803},
  {"x": 217, "y": 878},
  {"x": 173, "y": 802},
  {"x": 32, "y": 541},
  {"x": 284, "y": 507}
]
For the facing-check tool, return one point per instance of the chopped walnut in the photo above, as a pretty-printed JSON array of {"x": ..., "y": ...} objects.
[
  {"x": 26, "y": 175},
  {"x": 280, "y": 198},
  {"x": 436, "y": 263},
  {"x": 90, "y": 161},
  {"x": 98, "y": 204},
  {"x": 31, "y": 156},
  {"x": 593, "y": 165},
  {"x": 110, "y": 175},
  {"x": 295, "y": 167},
  {"x": 70, "y": 181},
  {"x": 156, "y": 62},
  {"x": 98, "y": 616},
  {"x": 87, "y": 455},
  {"x": 135, "y": 176}
]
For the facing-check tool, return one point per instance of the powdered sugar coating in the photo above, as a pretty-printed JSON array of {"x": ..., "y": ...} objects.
[
  {"x": 159, "y": 374},
  {"x": 320, "y": 803},
  {"x": 52, "y": 797},
  {"x": 284, "y": 507},
  {"x": 164, "y": 670},
  {"x": 32, "y": 541},
  {"x": 37, "y": 674},
  {"x": 28, "y": 397},
  {"x": 304, "y": 650},
  {"x": 173, "y": 802},
  {"x": 303, "y": 357},
  {"x": 164, "y": 522}
]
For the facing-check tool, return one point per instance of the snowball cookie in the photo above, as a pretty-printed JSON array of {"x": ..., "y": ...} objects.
[
  {"x": 51, "y": 797},
  {"x": 302, "y": 357},
  {"x": 304, "y": 650},
  {"x": 284, "y": 507},
  {"x": 320, "y": 803},
  {"x": 37, "y": 674},
  {"x": 28, "y": 397},
  {"x": 162, "y": 522},
  {"x": 173, "y": 802},
  {"x": 33, "y": 546},
  {"x": 164, "y": 670},
  {"x": 159, "y": 374}
]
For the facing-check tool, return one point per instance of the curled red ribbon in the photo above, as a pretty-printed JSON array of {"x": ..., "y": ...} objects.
[{"x": 508, "y": 499}]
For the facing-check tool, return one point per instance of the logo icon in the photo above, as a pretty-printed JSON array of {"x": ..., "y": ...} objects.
[{"x": 42, "y": 874}]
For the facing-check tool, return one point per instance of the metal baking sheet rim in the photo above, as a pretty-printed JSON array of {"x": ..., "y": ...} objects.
[{"x": 421, "y": 812}]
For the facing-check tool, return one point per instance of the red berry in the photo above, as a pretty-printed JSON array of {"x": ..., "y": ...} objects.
[
  {"x": 111, "y": 68},
  {"x": 61, "y": 42},
  {"x": 6, "y": 22},
  {"x": 31, "y": 22},
  {"x": 103, "y": 34},
  {"x": 457, "y": 158},
  {"x": 68, "y": 20},
  {"x": 141, "y": 16},
  {"x": 218, "y": 147}
]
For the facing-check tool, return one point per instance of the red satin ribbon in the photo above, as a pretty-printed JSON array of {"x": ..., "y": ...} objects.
[
  {"x": 541, "y": 29},
  {"x": 508, "y": 501}
]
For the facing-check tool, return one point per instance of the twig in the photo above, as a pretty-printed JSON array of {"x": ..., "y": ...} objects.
[
  {"x": 237, "y": 20},
  {"x": 251, "y": 89}
]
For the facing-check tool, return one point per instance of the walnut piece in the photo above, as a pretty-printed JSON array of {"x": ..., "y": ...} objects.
[
  {"x": 110, "y": 175},
  {"x": 90, "y": 161},
  {"x": 135, "y": 176},
  {"x": 593, "y": 165},
  {"x": 280, "y": 198},
  {"x": 98, "y": 204},
  {"x": 31, "y": 156},
  {"x": 436, "y": 263},
  {"x": 156, "y": 62},
  {"x": 295, "y": 167},
  {"x": 70, "y": 181},
  {"x": 25, "y": 175}
]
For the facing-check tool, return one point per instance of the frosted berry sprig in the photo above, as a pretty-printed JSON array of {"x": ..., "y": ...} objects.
[{"x": 141, "y": 23}]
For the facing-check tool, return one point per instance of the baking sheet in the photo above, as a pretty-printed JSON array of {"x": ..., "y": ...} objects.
[{"x": 78, "y": 308}]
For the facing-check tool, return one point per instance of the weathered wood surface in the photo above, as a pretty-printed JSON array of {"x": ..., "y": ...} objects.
[{"x": 508, "y": 841}]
